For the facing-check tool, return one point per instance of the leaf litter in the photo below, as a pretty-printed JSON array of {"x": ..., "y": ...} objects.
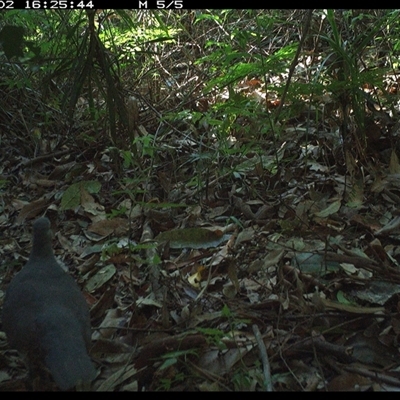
[{"x": 310, "y": 259}]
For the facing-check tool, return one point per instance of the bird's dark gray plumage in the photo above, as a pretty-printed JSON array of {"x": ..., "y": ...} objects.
[{"x": 46, "y": 317}]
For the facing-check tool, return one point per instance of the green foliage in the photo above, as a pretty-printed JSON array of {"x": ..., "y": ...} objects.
[
  {"x": 346, "y": 55},
  {"x": 241, "y": 380},
  {"x": 173, "y": 357},
  {"x": 167, "y": 384},
  {"x": 227, "y": 63},
  {"x": 170, "y": 360},
  {"x": 69, "y": 47},
  {"x": 77, "y": 61},
  {"x": 226, "y": 312},
  {"x": 76, "y": 193},
  {"x": 234, "y": 321},
  {"x": 213, "y": 336},
  {"x": 117, "y": 213},
  {"x": 146, "y": 145},
  {"x": 114, "y": 247}
]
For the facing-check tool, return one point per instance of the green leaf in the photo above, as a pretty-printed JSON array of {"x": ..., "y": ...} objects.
[
  {"x": 71, "y": 198},
  {"x": 92, "y": 186},
  {"x": 194, "y": 238},
  {"x": 100, "y": 278}
]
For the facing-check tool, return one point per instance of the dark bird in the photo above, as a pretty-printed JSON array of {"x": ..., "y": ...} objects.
[{"x": 46, "y": 317}]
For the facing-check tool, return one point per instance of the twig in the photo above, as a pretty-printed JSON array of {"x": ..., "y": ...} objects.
[
  {"x": 294, "y": 62},
  {"x": 264, "y": 359}
]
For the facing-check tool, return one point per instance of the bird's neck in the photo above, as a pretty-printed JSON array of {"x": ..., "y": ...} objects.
[{"x": 41, "y": 249}]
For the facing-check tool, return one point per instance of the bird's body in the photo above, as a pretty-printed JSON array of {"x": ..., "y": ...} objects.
[{"x": 45, "y": 315}]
